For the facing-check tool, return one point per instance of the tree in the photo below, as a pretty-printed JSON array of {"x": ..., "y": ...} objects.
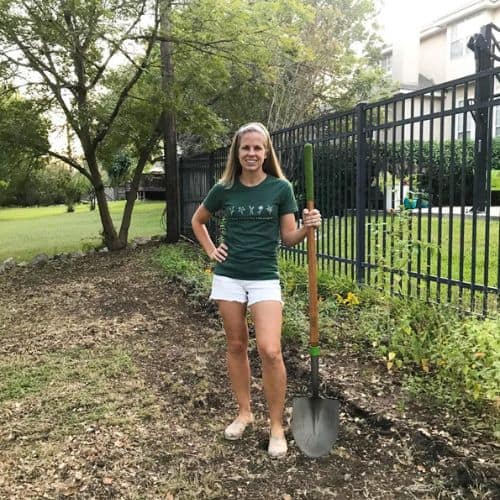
[
  {"x": 169, "y": 127},
  {"x": 226, "y": 71},
  {"x": 336, "y": 67},
  {"x": 119, "y": 169},
  {"x": 64, "y": 50},
  {"x": 23, "y": 134}
]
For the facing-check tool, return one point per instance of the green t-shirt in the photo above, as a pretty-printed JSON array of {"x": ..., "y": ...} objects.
[{"x": 251, "y": 226}]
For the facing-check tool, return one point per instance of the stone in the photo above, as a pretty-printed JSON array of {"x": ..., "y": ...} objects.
[
  {"x": 103, "y": 250},
  {"x": 8, "y": 264},
  {"x": 40, "y": 260},
  {"x": 141, "y": 240}
]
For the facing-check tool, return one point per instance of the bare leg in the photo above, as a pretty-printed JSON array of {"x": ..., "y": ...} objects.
[
  {"x": 267, "y": 318},
  {"x": 235, "y": 325}
]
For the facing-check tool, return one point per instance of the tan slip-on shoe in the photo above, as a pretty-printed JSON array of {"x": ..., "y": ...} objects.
[
  {"x": 236, "y": 429},
  {"x": 277, "y": 447}
]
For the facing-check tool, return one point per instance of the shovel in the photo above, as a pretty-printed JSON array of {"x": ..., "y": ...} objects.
[{"x": 315, "y": 420}]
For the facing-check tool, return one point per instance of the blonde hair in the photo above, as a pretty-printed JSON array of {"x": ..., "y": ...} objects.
[{"x": 233, "y": 168}]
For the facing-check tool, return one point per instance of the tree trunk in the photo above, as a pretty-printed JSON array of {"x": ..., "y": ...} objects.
[
  {"x": 110, "y": 235},
  {"x": 129, "y": 204},
  {"x": 172, "y": 194}
]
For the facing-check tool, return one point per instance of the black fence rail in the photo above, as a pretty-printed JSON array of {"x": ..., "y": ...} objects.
[{"x": 404, "y": 187}]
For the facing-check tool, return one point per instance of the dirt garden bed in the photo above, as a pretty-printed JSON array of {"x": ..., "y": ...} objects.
[{"x": 113, "y": 385}]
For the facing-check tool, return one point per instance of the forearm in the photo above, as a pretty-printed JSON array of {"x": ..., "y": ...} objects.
[
  {"x": 203, "y": 237},
  {"x": 294, "y": 237}
]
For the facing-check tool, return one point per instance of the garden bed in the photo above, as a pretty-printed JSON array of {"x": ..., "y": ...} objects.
[{"x": 113, "y": 385}]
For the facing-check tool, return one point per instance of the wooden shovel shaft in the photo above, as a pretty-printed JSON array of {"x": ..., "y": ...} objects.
[{"x": 313, "y": 283}]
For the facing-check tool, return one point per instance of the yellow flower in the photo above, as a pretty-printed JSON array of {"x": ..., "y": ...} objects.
[{"x": 351, "y": 299}]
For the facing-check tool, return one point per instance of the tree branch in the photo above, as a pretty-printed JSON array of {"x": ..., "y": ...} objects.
[
  {"x": 42, "y": 70},
  {"x": 116, "y": 48},
  {"x": 125, "y": 91},
  {"x": 71, "y": 163}
]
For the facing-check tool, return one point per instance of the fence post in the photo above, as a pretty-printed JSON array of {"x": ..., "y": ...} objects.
[
  {"x": 361, "y": 176},
  {"x": 481, "y": 44}
]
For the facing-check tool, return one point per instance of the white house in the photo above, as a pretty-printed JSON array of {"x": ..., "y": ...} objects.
[
  {"x": 436, "y": 54},
  {"x": 439, "y": 52}
]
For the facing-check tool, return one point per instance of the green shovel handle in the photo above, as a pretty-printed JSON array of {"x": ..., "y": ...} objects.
[{"x": 309, "y": 173}]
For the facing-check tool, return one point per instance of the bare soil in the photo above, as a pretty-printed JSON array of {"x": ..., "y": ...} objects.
[{"x": 116, "y": 388}]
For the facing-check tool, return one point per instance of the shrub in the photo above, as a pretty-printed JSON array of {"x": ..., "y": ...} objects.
[
  {"x": 52, "y": 185},
  {"x": 456, "y": 360}
]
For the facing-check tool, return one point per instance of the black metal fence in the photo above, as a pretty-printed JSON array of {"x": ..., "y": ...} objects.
[{"x": 404, "y": 187}]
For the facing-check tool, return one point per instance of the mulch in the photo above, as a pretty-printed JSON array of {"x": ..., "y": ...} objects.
[{"x": 163, "y": 438}]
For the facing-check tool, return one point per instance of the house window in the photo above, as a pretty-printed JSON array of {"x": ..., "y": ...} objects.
[
  {"x": 460, "y": 123},
  {"x": 386, "y": 63},
  {"x": 457, "y": 44},
  {"x": 497, "y": 121},
  {"x": 459, "y": 34}
]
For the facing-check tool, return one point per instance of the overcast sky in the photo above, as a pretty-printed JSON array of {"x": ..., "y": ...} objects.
[{"x": 416, "y": 13}]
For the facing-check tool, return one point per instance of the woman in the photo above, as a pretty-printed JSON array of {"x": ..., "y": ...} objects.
[{"x": 259, "y": 207}]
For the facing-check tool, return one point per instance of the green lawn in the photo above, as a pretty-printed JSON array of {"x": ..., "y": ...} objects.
[
  {"x": 495, "y": 180},
  {"x": 26, "y": 232}
]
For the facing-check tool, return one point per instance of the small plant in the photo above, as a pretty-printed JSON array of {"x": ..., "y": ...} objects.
[
  {"x": 401, "y": 249},
  {"x": 188, "y": 266}
]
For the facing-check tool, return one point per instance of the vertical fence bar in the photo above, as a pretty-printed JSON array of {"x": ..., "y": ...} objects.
[
  {"x": 383, "y": 257},
  {"x": 488, "y": 200},
  {"x": 440, "y": 194},
  {"x": 341, "y": 174},
  {"x": 336, "y": 164},
  {"x": 361, "y": 185},
  {"x": 462, "y": 193},
  {"x": 451, "y": 217},
  {"x": 394, "y": 189},
  {"x": 377, "y": 185},
  {"x": 329, "y": 192},
  {"x": 369, "y": 201},
  {"x": 419, "y": 221},
  {"x": 412, "y": 186},
  {"x": 352, "y": 197},
  {"x": 429, "y": 209},
  {"x": 403, "y": 235},
  {"x": 346, "y": 186}
]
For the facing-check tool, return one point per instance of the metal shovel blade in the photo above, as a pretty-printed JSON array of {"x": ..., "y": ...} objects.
[{"x": 315, "y": 424}]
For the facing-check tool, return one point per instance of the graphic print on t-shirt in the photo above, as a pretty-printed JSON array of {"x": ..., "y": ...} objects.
[{"x": 251, "y": 212}]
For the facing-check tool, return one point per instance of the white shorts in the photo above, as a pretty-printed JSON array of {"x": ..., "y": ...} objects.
[{"x": 245, "y": 291}]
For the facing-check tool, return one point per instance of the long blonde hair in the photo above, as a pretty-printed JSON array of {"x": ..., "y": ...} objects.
[{"x": 233, "y": 168}]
